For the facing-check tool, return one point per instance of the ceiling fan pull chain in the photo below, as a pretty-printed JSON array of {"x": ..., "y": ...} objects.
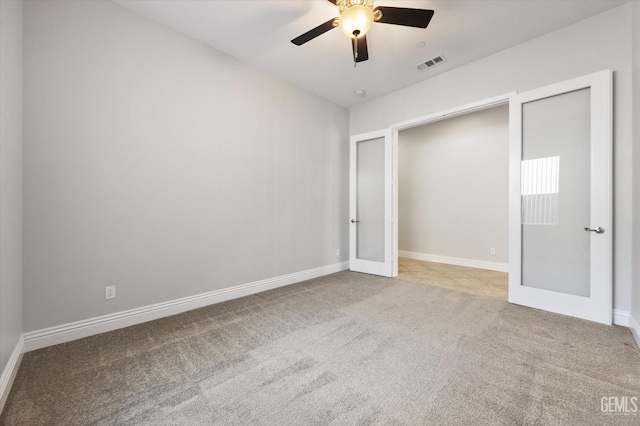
[
  {"x": 355, "y": 53},
  {"x": 356, "y": 33}
]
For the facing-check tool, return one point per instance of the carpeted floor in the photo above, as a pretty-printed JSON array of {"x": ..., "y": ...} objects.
[{"x": 343, "y": 349}]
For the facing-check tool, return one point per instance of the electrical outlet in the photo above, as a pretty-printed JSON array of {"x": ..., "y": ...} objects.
[
  {"x": 492, "y": 251},
  {"x": 110, "y": 292},
  {"x": 337, "y": 252}
]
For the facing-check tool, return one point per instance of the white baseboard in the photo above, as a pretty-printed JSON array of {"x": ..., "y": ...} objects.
[
  {"x": 459, "y": 261},
  {"x": 76, "y": 330},
  {"x": 634, "y": 325},
  {"x": 621, "y": 317},
  {"x": 10, "y": 371}
]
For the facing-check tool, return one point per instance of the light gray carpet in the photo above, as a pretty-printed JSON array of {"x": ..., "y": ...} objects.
[{"x": 343, "y": 349}]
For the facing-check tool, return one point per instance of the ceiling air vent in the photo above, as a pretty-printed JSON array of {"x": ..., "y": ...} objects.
[{"x": 430, "y": 63}]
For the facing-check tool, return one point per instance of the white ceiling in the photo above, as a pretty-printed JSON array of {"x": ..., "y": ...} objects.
[{"x": 259, "y": 33}]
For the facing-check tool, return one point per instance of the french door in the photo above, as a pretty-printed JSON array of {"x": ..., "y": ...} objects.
[
  {"x": 560, "y": 225},
  {"x": 370, "y": 203}
]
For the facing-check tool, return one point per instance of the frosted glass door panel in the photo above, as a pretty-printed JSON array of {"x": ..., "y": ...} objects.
[
  {"x": 370, "y": 207},
  {"x": 555, "y": 193}
]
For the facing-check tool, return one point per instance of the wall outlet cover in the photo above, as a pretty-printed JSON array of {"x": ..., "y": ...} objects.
[{"x": 110, "y": 292}]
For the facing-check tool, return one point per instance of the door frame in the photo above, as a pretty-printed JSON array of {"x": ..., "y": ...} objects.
[{"x": 420, "y": 121}]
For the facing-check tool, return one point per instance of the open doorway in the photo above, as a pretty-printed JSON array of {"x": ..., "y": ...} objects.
[
  {"x": 545, "y": 117},
  {"x": 453, "y": 202}
]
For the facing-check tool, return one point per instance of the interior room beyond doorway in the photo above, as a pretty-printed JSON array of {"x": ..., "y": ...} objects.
[{"x": 453, "y": 210}]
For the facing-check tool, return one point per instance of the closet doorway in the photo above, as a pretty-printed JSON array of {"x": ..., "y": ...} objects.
[{"x": 453, "y": 202}]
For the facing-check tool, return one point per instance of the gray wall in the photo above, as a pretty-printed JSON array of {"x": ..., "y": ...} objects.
[
  {"x": 636, "y": 161},
  {"x": 603, "y": 41},
  {"x": 453, "y": 186},
  {"x": 164, "y": 167},
  {"x": 10, "y": 178}
]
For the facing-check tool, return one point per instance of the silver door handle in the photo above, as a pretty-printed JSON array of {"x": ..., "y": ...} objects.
[
  {"x": 598, "y": 230},
  {"x": 355, "y": 221}
]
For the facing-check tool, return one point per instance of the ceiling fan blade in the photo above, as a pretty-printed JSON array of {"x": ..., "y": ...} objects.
[
  {"x": 310, "y": 35},
  {"x": 333, "y": 1},
  {"x": 418, "y": 18},
  {"x": 359, "y": 49}
]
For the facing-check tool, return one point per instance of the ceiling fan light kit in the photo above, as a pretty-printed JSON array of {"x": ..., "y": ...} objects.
[{"x": 357, "y": 17}]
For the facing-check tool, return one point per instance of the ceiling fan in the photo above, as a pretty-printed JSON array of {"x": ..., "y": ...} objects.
[{"x": 357, "y": 16}]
